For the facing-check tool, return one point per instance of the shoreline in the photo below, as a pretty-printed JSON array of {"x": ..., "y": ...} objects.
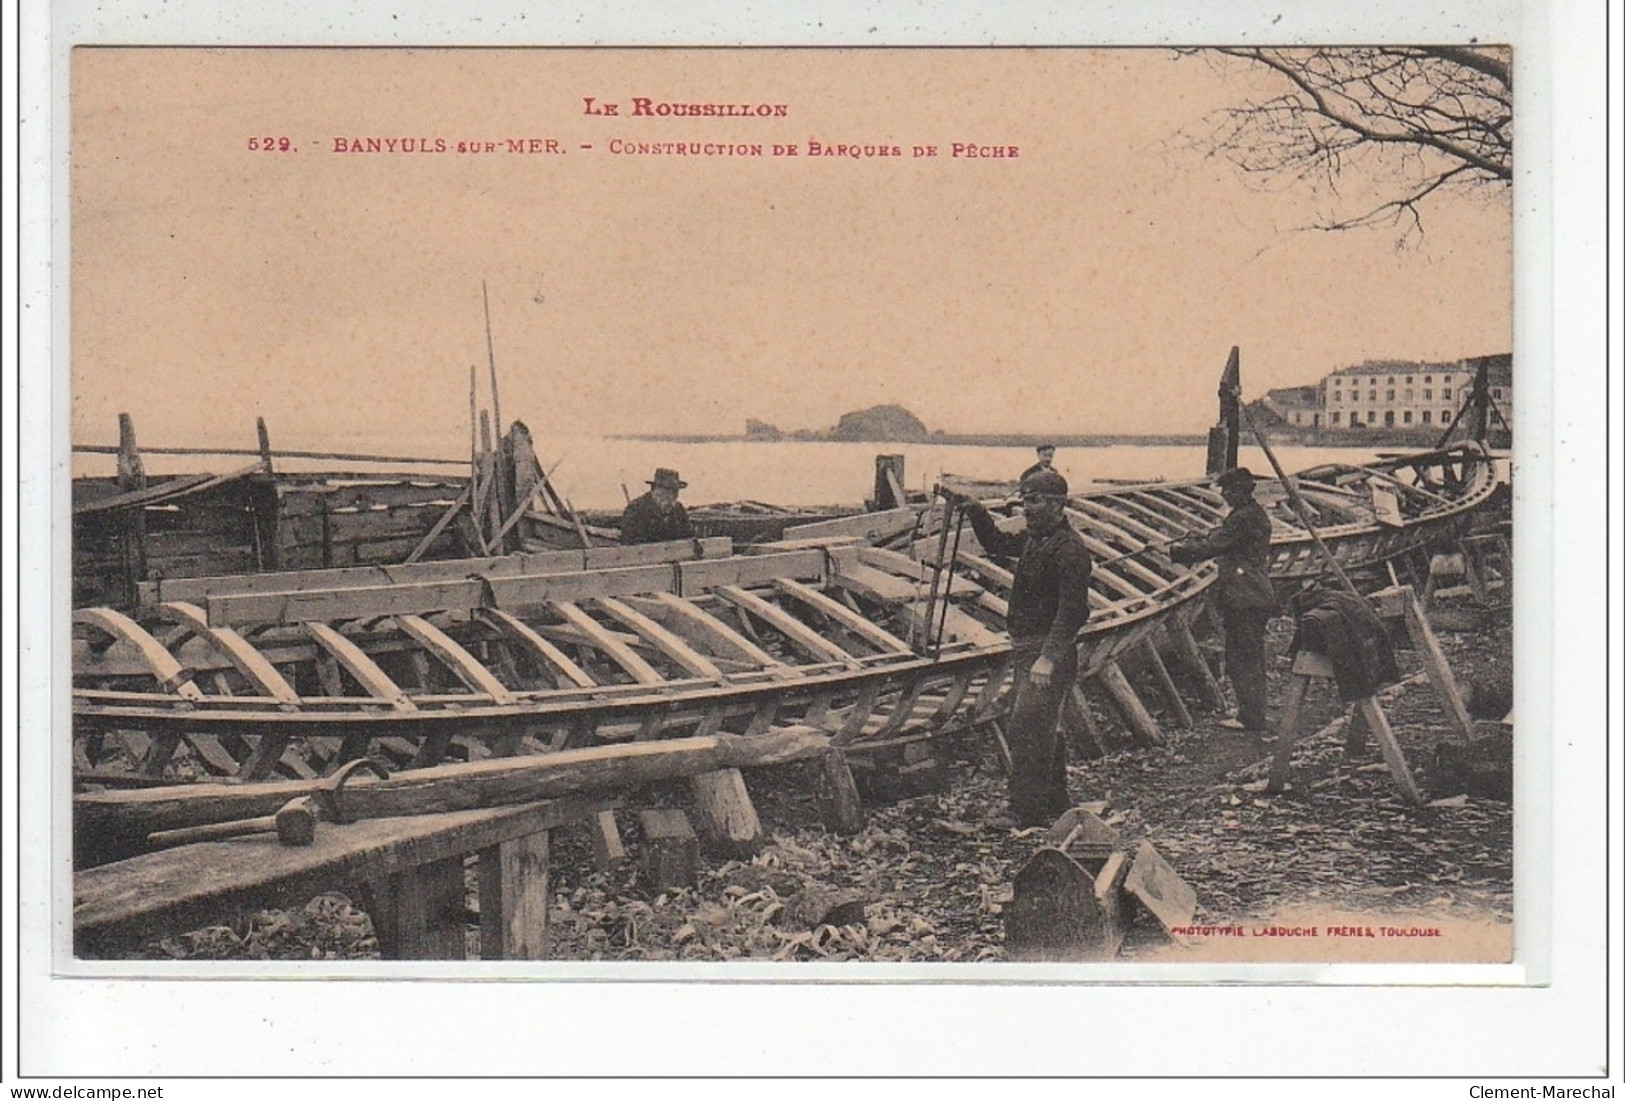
[{"x": 1030, "y": 441}]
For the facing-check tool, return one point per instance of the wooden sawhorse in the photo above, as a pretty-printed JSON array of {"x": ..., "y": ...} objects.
[
  {"x": 407, "y": 871},
  {"x": 1306, "y": 668}
]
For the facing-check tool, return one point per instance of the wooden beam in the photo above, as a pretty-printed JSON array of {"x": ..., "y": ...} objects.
[
  {"x": 618, "y": 651},
  {"x": 452, "y": 655},
  {"x": 1438, "y": 669},
  {"x": 516, "y": 630},
  {"x": 726, "y": 816},
  {"x": 1139, "y": 720},
  {"x": 661, "y": 639},
  {"x": 171, "y": 676},
  {"x": 842, "y": 615},
  {"x": 1287, "y": 732},
  {"x": 513, "y": 892},
  {"x": 800, "y": 635},
  {"x": 1181, "y": 713},
  {"x": 1179, "y": 630},
  {"x": 231, "y": 645},
  {"x": 366, "y": 672},
  {"x": 749, "y": 570},
  {"x": 704, "y": 629},
  {"x": 1377, "y": 723},
  {"x": 871, "y": 526}
]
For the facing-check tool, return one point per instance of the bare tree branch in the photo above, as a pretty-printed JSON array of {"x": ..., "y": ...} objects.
[{"x": 1411, "y": 121}]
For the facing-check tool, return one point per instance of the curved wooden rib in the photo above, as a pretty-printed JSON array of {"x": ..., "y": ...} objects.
[
  {"x": 661, "y": 639},
  {"x": 247, "y": 660},
  {"x": 171, "y": 676},
  {"x": 989, "y": 569},
  {"x": 802, "y": 636},
  {"x": 836, "y": 611},
  {"x": 707, "y": 630},
  {"x": 517, "y": 630},
  {"x": 1181, "y": 506},
  {"x": 618, "y": 651},
  {"x": 361, "y": 667},
  {"x": 452, "y": 655}
]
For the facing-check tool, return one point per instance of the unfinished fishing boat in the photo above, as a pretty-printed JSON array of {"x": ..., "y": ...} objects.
[{"x": 290, "y": 674}]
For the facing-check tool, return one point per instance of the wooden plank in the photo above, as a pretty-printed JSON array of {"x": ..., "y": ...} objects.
[
  {"x": 515, "y": 629},
  {"x": 452, "y": 655},
  {"x": 360, "y": 666},
  {"x": 192, "y": 885},
  {"x": 990, "y": 570},
  {"x": 247, "y": 660},
  {"x": 844, "y": 616},
  {"x": 1287, "y": 731},
  {"x": 750, "y": 570},
  {"x": 872, "y": 526},
  {"x": 661, "y": 639},
  {"x": 649, "y": 554},
  {"x": 1153, "y": 881},
  {"x": 800, "y": 635},
  {"x": 957, "y": 626},
  {"x": 171, "y": 676},
  {"x": 618, "y": 651},
  {"x": 513, "y": 878},
  {"x": 575, "y": 588},
  {"x": 1179, "y": 630},
  {"x": 1170, "y": 693},
  {"x": 877, "y": 585},
  {"x": 374, "y": 601}
]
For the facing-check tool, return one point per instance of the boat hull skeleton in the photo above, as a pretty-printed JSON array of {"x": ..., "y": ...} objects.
[{"x": 284, "y": 675}]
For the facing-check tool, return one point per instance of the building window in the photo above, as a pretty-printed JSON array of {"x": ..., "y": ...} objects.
[
  {"x": 1495, "y": 391},
  {"x": 1495, "y": 419},
  {"x": 1407, "y": 416},
  {"x": 1444, "y": 416},
  {"x": 1354, "y": 419},
  {"x": 1390, "y": 393},
  {"x": 1427, "y": 395},
  {"x": 1390, "y": 380},
  {"x": 1388, "y": 419},
  {"x": 1373, "y": 395},
  {"x": 1427, "y": 378},
  {"x": 1337, "y": 395},
  {"x": 1337, "y": 418},
  {"x": 1409, "y": 380},
  {"x": 1445, "y": 393},
  {"x": 1427, "y": 416}
]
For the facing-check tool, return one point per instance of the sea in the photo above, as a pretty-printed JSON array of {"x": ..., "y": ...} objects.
[{"x": 600, "y": 472}]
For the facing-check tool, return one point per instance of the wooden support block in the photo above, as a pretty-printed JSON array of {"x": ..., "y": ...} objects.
[
  {"x": 1139, "y": 720},
  {"x": 429, "y": 911},
  {"x": 1391, "y": 753},
  {"x": 839, "y": 805},
  {"x": 607, "y": 847},
  {"x": 1083, "y": 836},
  {"x": 513, "y": 880},
  {"x": 671, "y": 850},
  {"x": 1061, "y": 910},
  {"x": 1438, "y": 669},
  {"x": 1154, "y": 882},
  {"x": 1286, "y": 731},
  {"x": 726, "y": 815}
]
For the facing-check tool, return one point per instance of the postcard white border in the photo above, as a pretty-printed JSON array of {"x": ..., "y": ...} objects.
[{"x": 123, "y": 1027}]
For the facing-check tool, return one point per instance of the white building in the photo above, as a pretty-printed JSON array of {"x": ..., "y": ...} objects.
[{"x": 1395, "y": 394}]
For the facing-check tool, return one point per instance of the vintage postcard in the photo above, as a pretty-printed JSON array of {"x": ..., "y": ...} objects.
[
  {"x": 449, "y": 411},
  {"x": 937, "y": 514}
]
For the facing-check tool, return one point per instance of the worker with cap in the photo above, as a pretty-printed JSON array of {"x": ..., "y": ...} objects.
[
  {"x": 1046, "y": 460},
  {"x": 1246, "y": 598},
  {"x": 1049, "y": 603},
  {"x": 657, "y": 516}
]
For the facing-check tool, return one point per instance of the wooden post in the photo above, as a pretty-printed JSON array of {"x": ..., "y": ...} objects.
[
  {"x": 1077, "y": 704},
  {"x": 727, "y": 818},
  {"x": 429, "y": 911},
  {"x": 1286, "y": 731},
  {"x": 1391, "y": 753},
  {"x": 1139, "y": 720},
  {"x": 1438, "y": 669},
  {"x": 838, "y": 801},
  {"x": 513, "y": 899},
  {"x": 132, "y": 475},
  {"x": 607, "y": 847},
  {"x": 671, "y": 851},
  {"x": 1181, "y": 713},
  {"x": 1179, "y": 631}
]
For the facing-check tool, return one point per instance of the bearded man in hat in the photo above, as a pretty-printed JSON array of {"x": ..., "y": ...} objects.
[
  {"x": 1246, "y": 598},
  {"x": 657, "y": 516},
  {"x": 1049, "y": 604}
]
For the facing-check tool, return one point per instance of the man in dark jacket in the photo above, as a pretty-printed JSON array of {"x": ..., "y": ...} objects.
[
  {"x": 1246, "y": 598},
  {"x": 657, "y": 516},
  {"x": 1046, "y": 460},
  {"x": 1049, "y": 604}
]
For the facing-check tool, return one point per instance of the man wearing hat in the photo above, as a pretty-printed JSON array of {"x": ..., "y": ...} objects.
[
  {"x": 1049, "y": 603},
  {"x": 657, "y": 516},
  {"x": 1246, "y": 598},
  {"x": 1046, "y": 460}
]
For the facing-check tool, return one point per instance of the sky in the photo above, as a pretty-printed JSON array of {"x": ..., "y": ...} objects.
[{"x": 1094, "y": 282}]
